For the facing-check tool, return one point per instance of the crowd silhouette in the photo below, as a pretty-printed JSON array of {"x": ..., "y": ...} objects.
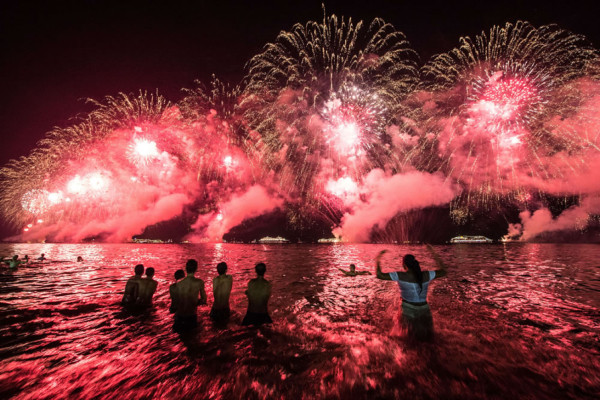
[{"x": 188, "y": 291}]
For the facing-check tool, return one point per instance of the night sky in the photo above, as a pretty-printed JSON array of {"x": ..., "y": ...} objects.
[{"x": 54, "y": 54}]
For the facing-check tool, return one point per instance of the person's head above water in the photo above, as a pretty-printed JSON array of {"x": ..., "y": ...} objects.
[
  {"x": 260, "y": 269},
  {"x": 191, "y": 266},
  {"x": 179, "y": 274},
  {"x": 352, "y": 267},
  {"x": 149, "y": 272},
  {"x": 79, "y": 259},
  {"x": 222, "y": 268},
  {"x": 139, "y": 269}
]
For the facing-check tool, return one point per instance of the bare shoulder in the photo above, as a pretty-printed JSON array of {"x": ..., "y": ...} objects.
[
  {"x": 259, "y": 282},
  {"x": 197, "y": 281}
]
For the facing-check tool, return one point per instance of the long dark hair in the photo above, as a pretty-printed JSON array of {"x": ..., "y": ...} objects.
[{"x": 413, "y": 265}]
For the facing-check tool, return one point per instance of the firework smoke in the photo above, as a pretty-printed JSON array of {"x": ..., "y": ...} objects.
[
  {"x": 542, "y": 220},
  {"x": 383, "y": 197}
]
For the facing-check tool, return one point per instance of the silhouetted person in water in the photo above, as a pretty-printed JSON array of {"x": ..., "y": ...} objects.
[
  {"x": 41, "y": 258},
  {"x": 26, "y": 259},
  {"x": 413, "y": 284},
  {"x": 187, "y": 291},
  {"x": 14, "y": 262},
  {"x": 221, "y": 291},
  {"x": 147, "y": 288},
  {"x": 179, "y": 274},
  {"x": 132, "y": 287},
  {"x": 354, "y": 272},
  {"x": 79, "y": 259},
  {"x": 258, "y": 292}
]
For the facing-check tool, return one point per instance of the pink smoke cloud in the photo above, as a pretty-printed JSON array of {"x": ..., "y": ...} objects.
[
  {"x": 385, "y": 196},
  {"x": 252, "y": 203},
  {"x": 576, "y": 217},
  {"x": 118, "y": 228}
]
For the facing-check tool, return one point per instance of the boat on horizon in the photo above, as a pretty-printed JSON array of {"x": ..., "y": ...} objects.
[
  {"x": 470, "y": 239},
  {"x": 269, "y": 239},
  {"x": 329, "y": 240}
]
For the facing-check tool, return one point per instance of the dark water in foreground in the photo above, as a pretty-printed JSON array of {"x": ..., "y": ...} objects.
[{"x": 514, "y": 321}]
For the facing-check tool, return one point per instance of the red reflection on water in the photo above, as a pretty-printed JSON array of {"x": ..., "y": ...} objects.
[{"x": 518, "y": 321}]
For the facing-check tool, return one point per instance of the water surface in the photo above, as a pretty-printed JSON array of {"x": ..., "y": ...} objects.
[{"x": 515, "y": 320}]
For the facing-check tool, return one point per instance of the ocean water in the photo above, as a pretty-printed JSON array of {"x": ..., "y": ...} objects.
[{"x": 511, "y": 321}]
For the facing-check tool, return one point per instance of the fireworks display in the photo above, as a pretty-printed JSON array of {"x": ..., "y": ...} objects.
[
  {"x": 334, "y": 123},
  {"x": 493, "y": 102}
]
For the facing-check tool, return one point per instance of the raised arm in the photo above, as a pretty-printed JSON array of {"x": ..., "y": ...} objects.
[
  {"x": 442, "y": 268},
  {"x": 381, "y": 275}
]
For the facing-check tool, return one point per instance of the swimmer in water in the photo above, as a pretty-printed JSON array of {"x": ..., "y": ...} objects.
[
  {"x": 79, "y": 259},
  {"x": 132, "y": 287},
  {"x": 147, "y": 288},
  {"x": 221, "y": 291},
  {"x": 41, "y": 258},
  {"x": 187, "y": 291},
  {"x": 14, "y": 262},
  {"x": 258, "y": 292},
  {"x": 354, "y": 272},
  {"x": 413, "y": 284},
  {"x": 26, "y": 259},
  {"x": 179, "y": 274}
]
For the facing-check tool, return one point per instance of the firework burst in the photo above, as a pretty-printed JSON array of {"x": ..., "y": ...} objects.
[
  {"x": 318, "y": 101},
  {"x": 220, "y": 97},
  {"x": 319, "y": 58},
  {"x": 491, "y": 101},
  {"x": 125, "y": 157}
]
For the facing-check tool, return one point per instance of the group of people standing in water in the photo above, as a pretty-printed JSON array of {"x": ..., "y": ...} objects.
[{"x": 188, "y": 292}]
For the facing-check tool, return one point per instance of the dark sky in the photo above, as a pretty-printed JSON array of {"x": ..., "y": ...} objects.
[{"x": 54, "y": 54}]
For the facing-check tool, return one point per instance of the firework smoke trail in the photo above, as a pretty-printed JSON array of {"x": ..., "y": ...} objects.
[
  {"x": 318, "y": 101},
  {"x": 236, "y": 186},
  {"x": 489, "y": 106}
]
